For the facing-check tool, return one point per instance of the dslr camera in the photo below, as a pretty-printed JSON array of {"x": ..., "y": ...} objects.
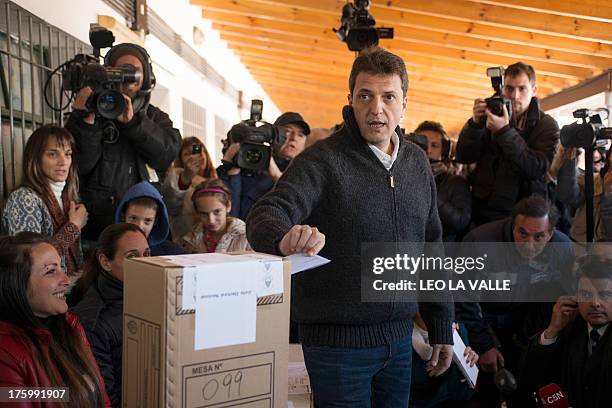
[
  {"x": 498, "y": 100},
  {"x": 83, "y": 70},
  {"x": 588, "y": 131},
  {"x": 256, "y": 138}
]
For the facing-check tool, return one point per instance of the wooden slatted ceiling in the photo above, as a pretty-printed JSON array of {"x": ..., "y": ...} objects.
[{"x": 291, "y": 50}]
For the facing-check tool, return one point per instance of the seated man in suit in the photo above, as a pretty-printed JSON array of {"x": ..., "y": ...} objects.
[{"x": 575, "y": 351}]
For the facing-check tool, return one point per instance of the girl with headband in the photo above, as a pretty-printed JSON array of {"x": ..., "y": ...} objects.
[{"x": 216, "y": 231}]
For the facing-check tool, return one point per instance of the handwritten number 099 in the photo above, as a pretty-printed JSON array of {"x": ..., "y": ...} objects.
[{"x": 212, "y": 386}]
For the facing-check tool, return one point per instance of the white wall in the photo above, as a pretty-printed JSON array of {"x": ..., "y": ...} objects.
[
  {"x": 72, "y": 16},
  {"x": 176, "y": 78}
]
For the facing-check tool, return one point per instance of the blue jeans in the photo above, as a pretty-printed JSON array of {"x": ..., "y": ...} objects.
[{"x": 360, "y": 377}]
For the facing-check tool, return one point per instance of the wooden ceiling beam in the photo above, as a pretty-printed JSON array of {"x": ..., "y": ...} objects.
[
  {"x": 434, "y": 27},
  {"x": 561, "y": 71},
  {"x": 339, "y": 88},
  {"x": 425, "y": 93},
  {"x": 298, "y": 72},
  {"x": 444, "y": 100},
  {"x": 419, "y": 36},
  {"x": 431, "y": 63},
  {"x": 506, "y": 17},
  {"x": 554, "y": 85},
  {"x": 302, "y": 17},
  {"x": 499, "y": 18},
  {"x": 590, "y": 9},
  {"x": 546, "y": 84}
]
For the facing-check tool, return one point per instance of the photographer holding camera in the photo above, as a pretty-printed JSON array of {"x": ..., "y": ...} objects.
[
  {"x": 114, "y": 154},
  {"x": 247, "y": 186},
  {"x": 512, "y": 155}
]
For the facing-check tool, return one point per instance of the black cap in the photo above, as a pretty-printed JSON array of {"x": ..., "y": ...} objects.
[{"x": 288, "y": 118}]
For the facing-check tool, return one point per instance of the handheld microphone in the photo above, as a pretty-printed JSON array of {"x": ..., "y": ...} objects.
[{"x": 551, "y": 396}]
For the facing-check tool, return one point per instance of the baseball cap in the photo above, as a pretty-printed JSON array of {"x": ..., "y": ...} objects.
[{"x": 293, "y": 118}]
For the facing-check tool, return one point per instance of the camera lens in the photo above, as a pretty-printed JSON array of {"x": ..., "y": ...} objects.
[
  {"x": 110, "y": 104},
  {"x": 253, "y": 155}
]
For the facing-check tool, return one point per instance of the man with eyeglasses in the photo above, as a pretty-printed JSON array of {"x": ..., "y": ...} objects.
[
  {"x": 512, "y": 155},
  {"x": 575, "y": 351}
]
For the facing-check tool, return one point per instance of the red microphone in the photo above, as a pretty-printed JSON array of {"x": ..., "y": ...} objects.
[{"x": 552, "y": 396}]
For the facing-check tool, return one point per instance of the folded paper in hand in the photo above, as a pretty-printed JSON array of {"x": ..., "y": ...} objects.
[{"x": 470, "y": 373}]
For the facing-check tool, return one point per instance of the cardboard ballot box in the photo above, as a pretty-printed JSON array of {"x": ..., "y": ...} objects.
[
  {"x": 300, "y": 395},
  {"x": 165, "y": 365}
]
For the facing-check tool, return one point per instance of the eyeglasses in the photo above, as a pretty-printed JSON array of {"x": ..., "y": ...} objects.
[{"x": 587, "y": 296}]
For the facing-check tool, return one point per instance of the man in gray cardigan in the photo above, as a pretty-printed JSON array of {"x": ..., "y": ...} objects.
[{"x": 364, "y": 184}]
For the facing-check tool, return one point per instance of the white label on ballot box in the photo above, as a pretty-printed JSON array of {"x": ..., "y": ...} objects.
[
  {"x": 268, "y": 271},
  {"x": 226, "y": 303}
]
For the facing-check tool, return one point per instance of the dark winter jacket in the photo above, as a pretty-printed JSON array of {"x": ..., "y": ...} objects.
[
  {"x": 158, "y": 242},
  {"x": 108, "y": 170},
  {"x": 552, "y": 266},
  {"x": 101, "y": 313},
  {"x": 454, "y": 204},
  {"x": 339, "y": 186},
  {"x": 585, "y": 379},
  {"x": 511, "y": 164}
]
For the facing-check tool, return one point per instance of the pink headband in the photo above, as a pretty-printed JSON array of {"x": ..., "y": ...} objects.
[{"x": 210, "y": 190}]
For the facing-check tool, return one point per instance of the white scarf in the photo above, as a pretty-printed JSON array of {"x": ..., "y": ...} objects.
[{"x": 56, "y": 188}]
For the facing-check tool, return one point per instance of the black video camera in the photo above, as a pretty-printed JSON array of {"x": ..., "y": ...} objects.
[
  {"x": 256, "y": 142},
  {"x": 589, "y": 131},
  {"x": 85, "y": 70},
  {"x": 357, "y": 27},
  {"x": 418, "y": 139},
  {"x": 498, "y": 100}
]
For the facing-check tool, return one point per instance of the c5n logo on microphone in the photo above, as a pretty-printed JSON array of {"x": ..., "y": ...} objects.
[{"x": 552, "y": 396}]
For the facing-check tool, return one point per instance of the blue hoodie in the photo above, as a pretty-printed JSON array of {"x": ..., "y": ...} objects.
[{"x": 158, "y": 241}]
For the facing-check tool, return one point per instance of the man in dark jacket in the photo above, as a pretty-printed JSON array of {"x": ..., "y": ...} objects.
[
  {"x": 247, "y": 187},
  {"x": 364, "y": 184},
  {"x": 512, "y": 156},
  {"x": 575, "y": 350},
  {"x": 539, "y": 260},
  {"x": 454, "y": 197},
  {"x": 143, "y": 147}
]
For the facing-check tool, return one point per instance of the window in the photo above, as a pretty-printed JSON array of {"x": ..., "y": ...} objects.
[{"x": 194, "y": 120}]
